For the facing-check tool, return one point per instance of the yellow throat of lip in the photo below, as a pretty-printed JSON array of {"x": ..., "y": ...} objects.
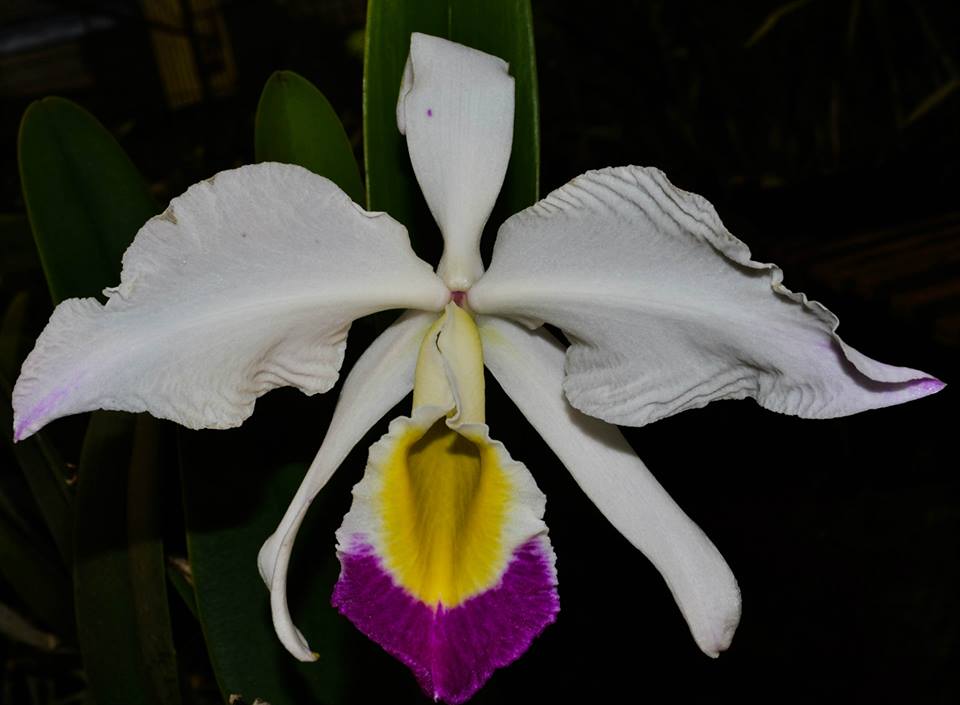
[{"x": 445, "y": 494}]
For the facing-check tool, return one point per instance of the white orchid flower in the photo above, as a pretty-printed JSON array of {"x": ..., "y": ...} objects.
[{"x": 249, "y": 281}]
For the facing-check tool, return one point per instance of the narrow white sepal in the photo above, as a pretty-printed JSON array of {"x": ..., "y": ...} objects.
[
  {"x": 378, "y": 381},
  {"x": 249, "y": 281},
  {"x": 666, "y": 311},
  {"x": 456, "y": 110},
  {"x": 529, "y": 367}
]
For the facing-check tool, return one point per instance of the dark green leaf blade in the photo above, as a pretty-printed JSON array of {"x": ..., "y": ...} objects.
[
  {"x": 233, "y": 500},
  {"x": 19, "y": 264},
  {"x": 36, "y": 578},
  {"x": 503, "y": 28},
  {"x": 11, "y": 335},
  {"x": 84, "y": 197},
  {"x": 391, "y": 184},
  {"x": 17, "y": 505},
  {"x": 297, "y": 125},
  {"x": 123, "y": 619},
  {"x": 41, "y": 465},
  {"x": 28, "y": 558},
  {"x": 43, "y": 472},
  {"x": 182, "y": 583},
  {"x": 85, "y": 201}
]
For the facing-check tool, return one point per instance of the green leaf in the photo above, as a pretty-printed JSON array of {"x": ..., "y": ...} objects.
[
  {"x": 296, "y": 125},
  {"x": 28, "y": 560},
  {"x": 16, "y": 498},
  {"x": 41, "y": 465},
  {"x": 17, "y": 505},
  {"x": 84, "y": 197},
  {"x": 11, "y": 335},
  {"x": 503, "y": 28},
  {"x": 40, "y": 583},
  {"x": 43, "y": 470},
  {"x": 19, "y": 259},
  {"x": 233, "y": 500},
  {"x": 182, "y": 581},
  {"x": 85, "y": 201},
  {"x": 123, "y": 617}
]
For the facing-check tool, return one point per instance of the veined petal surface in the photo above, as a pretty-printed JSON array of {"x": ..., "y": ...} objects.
[
  {"x": 666, "y": 311},
  {"x": 529, "y": 367},
  {"x": 456, "y": 110},
  {"x": 249, "y": 281},
  {"x": 378, "y": 381}
]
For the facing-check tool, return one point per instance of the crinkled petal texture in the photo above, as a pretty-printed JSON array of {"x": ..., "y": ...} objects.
[
  {"x": 529, "y": 367},
  {"x": 444, "y": 553},
  {"x": 247, "y": 282},
  {"x": 666, "y": 311},
  {"x": 456, "y": 110}
]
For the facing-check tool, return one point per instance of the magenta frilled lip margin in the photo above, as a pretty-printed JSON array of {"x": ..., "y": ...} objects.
[{"x": 452, "y": 652}]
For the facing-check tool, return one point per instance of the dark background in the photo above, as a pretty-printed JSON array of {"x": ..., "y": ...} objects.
[{"x": 826, "y": 134}]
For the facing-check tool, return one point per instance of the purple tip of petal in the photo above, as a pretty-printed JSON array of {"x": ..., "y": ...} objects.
[
  {"x": 429, "y": 112},
  {"x": 452, "y": 652},
  {"x": 39, "y": 410},
  {"x": 928, "y": 385}
]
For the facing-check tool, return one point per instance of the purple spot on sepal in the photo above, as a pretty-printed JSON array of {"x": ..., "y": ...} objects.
[
  {"x": 929, "y": 385},
  {"x": 429, "y": 112},
  {"x": 452, "y": 652},
  {"x": 39, "y": 410}
]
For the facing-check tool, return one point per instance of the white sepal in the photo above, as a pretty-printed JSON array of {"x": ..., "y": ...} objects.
[
  {"x": 529, "y": 367},
  {"x": 456, "y": 110}
]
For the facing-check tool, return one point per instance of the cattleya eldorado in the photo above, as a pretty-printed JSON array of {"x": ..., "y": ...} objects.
[{"x": 250, "y": 280}]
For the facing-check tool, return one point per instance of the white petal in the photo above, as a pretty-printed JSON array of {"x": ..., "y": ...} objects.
[
  {"x": 666, "y": 311},
  {"x": 249, "y": 281},
  {"x": 529, "y": 367},
  {"x": 456, "y": 109},
  {"x": 381, "y": 378}
]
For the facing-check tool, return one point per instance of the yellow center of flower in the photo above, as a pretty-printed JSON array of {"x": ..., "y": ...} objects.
[
  {"x": 444, "y": 496},
  {"x": 444, "y": 502}
]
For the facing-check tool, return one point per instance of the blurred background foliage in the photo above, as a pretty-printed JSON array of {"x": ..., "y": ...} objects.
[{"x": 825, "y": 132}]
